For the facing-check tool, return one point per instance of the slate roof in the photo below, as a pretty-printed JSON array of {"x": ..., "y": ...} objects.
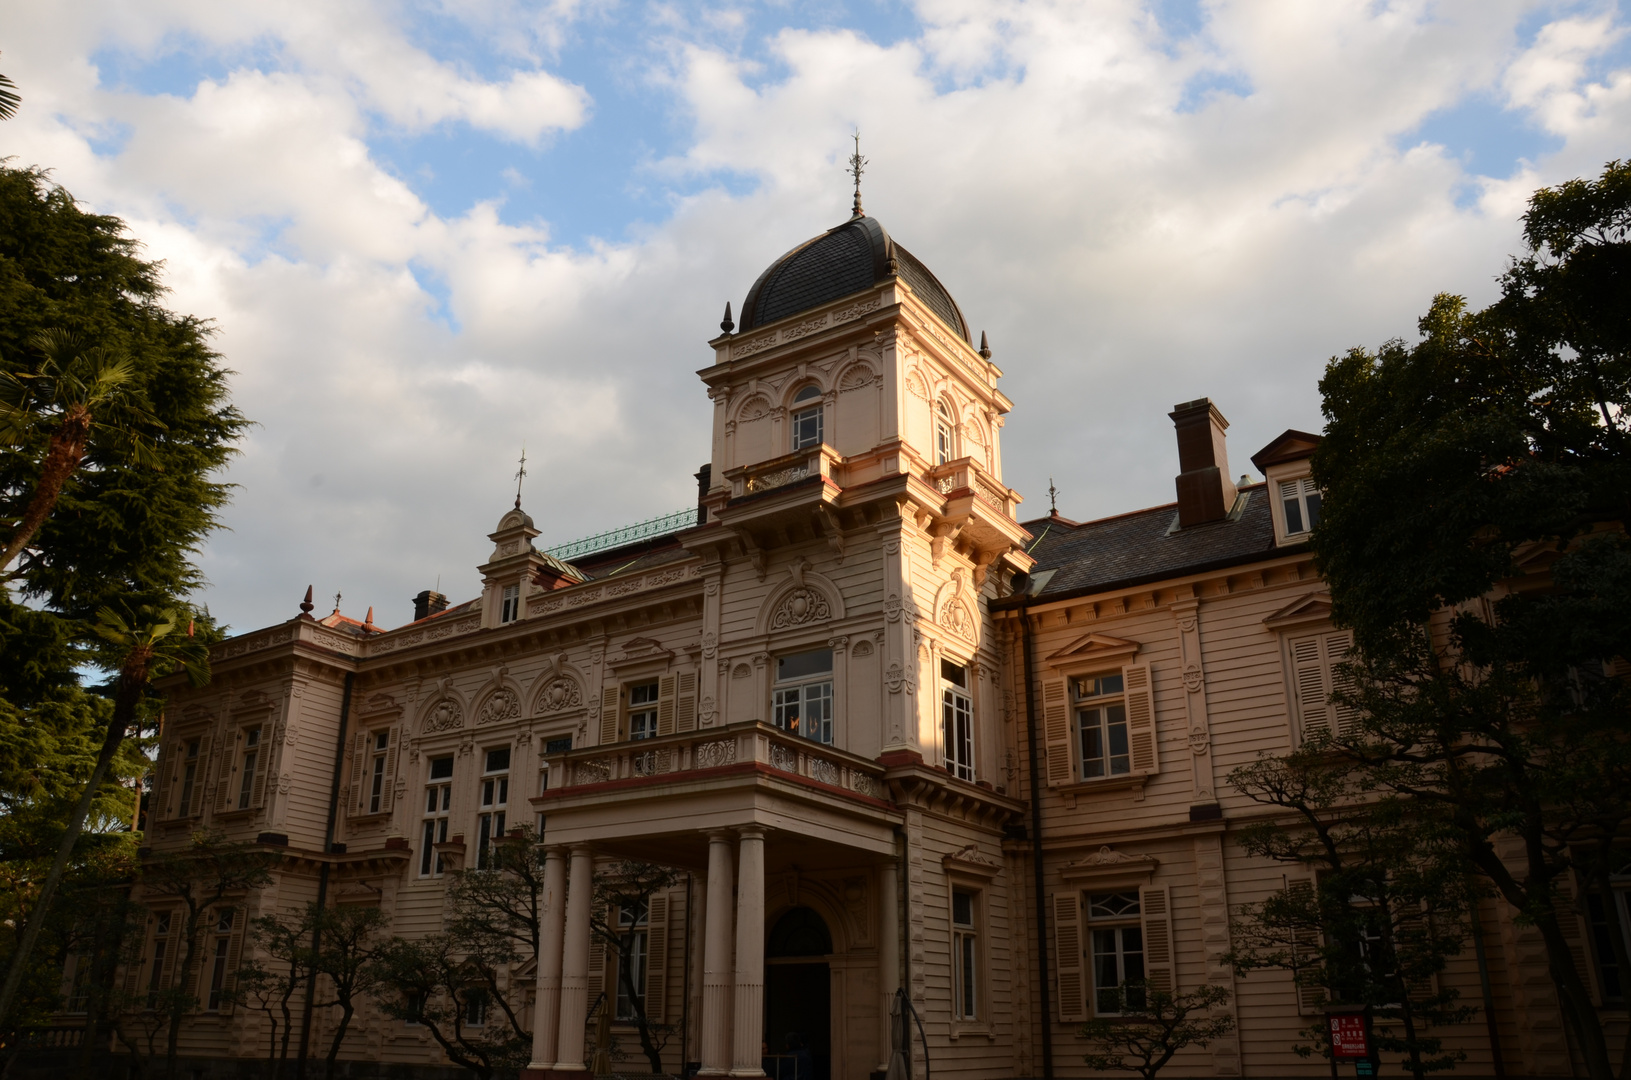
[
  {"x": 843, "y": 260},
  {"x": 1144, "y": 546}
]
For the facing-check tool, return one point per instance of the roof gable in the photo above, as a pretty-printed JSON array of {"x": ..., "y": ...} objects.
[{"x": 1290, "y": 445}]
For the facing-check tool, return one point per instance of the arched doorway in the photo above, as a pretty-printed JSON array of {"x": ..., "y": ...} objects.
[{"x": 798, "y": 992}]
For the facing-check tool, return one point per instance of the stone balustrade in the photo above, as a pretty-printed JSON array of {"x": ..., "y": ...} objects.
[{"x": 965, "y": 475}]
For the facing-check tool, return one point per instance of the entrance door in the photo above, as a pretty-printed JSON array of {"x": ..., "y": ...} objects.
[{"x": 798, "y": 1001}]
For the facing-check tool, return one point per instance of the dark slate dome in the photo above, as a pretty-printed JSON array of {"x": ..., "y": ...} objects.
[{"x": 852, "y": 257}]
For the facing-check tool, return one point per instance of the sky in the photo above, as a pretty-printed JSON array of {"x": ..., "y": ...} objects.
[{"x": 431, "y": 233}]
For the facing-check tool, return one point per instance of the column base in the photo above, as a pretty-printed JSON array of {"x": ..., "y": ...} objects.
[
  {"x": 551, "y": 1072},
  {"x": 747, "y": 1072},
  {"x": 714, "y": 1072}
]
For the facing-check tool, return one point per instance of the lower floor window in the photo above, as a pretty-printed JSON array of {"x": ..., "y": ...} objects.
[
  {"x": 1608, "y": 919},
  {"x": 475, "y": 1008},
  {"x": 965, "y": 956},
  {"x": 1118, "y": 952}
]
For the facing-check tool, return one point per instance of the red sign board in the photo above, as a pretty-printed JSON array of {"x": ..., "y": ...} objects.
[{"x": 1350, "y": 1036}]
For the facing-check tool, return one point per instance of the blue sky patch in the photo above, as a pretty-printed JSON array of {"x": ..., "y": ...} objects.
[
  {"x": 1487, "y": 139},
  {"x": 1206, "y": 86}
]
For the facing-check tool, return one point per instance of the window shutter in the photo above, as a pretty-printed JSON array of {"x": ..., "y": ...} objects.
[
  {"x": 393, "y": 741},
  {"x": 665, "y": 705},
  {"x": 1160, "y": 967},
  {"x": 133, "y": 970},
  {"x": 1056, "y": 731},
  {"x": 1336, "y": 651},
  {"x": 1067, "y": 933},
  {"x": 1304, "y": 950},
  {"x": 172, "y": 947},
  {"x": 657, "y": 959},
  {"x": 596, "y": 979},
  {"x": 235, "y": 947},
  {"x": 685, "y": 712},
  {"x": 1313, "y": 699},
  {"x": 1572, "y": 925},
  {"x": 359, "y": 760},
  {"x": 608, "y": 715},
  {"x": 190, "y": 976},
  {"x": 263, "y": 765},
  {"x": 160, "y": 807},
  {"x": 1141, "y": 718},
  {"x": 205, "y": 763},
  {"x": 226, "y": 771}
]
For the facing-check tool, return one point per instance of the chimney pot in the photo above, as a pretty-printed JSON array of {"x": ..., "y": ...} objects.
[
  {"x": 428, "y": 603},
  {"x": 1205, "y": 492}
]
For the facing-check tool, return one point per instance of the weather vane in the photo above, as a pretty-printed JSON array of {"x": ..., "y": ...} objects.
[
  {"x": 336, "y": 603},
  {"x": 520, "y": 475},
  {"x": 1053, "y": 497},
  {"x": 857, "y": 166}
]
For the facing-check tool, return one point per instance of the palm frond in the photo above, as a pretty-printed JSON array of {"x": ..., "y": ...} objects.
[{"x": 9, "y": 98}]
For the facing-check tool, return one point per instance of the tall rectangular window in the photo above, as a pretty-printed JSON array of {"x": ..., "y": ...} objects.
[
  {"x": 1118, "y": 951},
  {"x": 251, "y": 762},
  {"x": 1300, "y": 499},
  {"x": 807, "y": 419},
  {"x": 495, "y": 798},
  {"x": 510, "y": 608},
  {"x": 643, "y": 710},
  {"x": 957, "y": 720},
  {"x": 1101, "y": 719},
  {"x": 381, "y": 743},
  {"x": 802, "y": 697},
  {"x": 632, "y": 921},
  {"x": 965, "y": 951},
  {"x": 220, "y": 953},
  {"x": 161, "y": 953},
  {"x": 189, "y": 779},
  {"x": 438, "y": 804}
]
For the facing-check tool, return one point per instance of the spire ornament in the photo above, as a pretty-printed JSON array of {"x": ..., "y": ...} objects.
[
  {"x": 1053, "y": 499},
  {"x": 306, "y": 605},
  {"x": 727, "y": 324},
  {"x": 985, "y": 351},
  {"x": 520, "y": 475},
  {"x": 857, "y": 166}
]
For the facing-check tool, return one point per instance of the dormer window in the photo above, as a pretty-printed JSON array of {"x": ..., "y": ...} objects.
[
  {"x": 807, "y": 421},
  {"x": 510, "y": 609},
  {"x": 943, "y": 450},
  {"x": 1300, "y": 499}
]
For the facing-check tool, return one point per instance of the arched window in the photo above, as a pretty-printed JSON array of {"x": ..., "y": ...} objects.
[
  {"x": 943, "y": 448},
  {"x": 807, "y": 425}
]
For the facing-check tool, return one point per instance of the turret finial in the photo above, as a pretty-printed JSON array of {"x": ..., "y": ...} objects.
[
  {"x": 985, "y": 346},
  {"x": 857, "y": 166},
  {"x": 1053, "y": 498},
  {"x": 727, "y": 324},
  {"x": 306, "y": 605},
  {"x": 368, "y": 619},
  {"x": 520, "y": 475}
]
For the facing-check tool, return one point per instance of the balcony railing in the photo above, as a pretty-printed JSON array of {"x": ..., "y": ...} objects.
[
  {"x": 965, "y": 475},
  {"x": 788, "y": 469},
  {"x": 676, "y": 755}
]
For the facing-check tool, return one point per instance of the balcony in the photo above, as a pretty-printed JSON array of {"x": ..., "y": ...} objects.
[
  {"x": 785, "y": 471},
  {"x": 964, "y": 477}
]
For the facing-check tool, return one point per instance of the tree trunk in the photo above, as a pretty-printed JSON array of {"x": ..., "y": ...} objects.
[
  {"x": 132, "y": 681},
  {"x": 346, "y": 1012},
  {"x": 62, "y": 457}
]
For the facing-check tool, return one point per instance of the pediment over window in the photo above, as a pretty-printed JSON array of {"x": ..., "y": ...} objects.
[
  {"x": 1310, "y": 608},
  {"x": 1107, "y": 863},
  {"x": 970, "y": 860},
  {"x": 642, "y": 650},
  {"x": 1093, "y": 649}
]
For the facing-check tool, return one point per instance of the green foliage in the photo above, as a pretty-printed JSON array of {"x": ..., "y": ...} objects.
[
  {"x": 1155, "y": 1025},
  {"x": 1477, "y": 487},
  {"x": 429, "y": 981}
]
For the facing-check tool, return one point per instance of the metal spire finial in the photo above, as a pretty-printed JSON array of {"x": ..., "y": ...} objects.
[
  {"x": 520, "y": 475},
  {"x": 1053, "y": 497},
  {"x": 857, "y": 166},
  {"x": 727, "y": 324},
  {"x": 306, "y": 604},
  {"x": 336, "y": 603}
]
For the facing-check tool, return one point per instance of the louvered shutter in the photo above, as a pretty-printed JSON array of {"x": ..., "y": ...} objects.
[
  {"x": 1067, "y": 933},
  {"x": 227, "y": 770},
  {"x": 160, "y": 805},
  {"x": 1305, "y": 950},
  {"x": 359, "y": 761},
  {"x": 235, "y": 947},
  {"x": 1308, "y": 673},
  {"x": 1573, "y": 927},
  {"x": 172, "y": 948},
  {"x": 133, "y": 970},
  {"x": 665, "y": 705},
  {"x": 596, "y": 979},
  {"x": 1056, "y": 731},
  {"x": 657, "y": 960},
  {"x": 263, "y": 766},
  {"x": 1141, "y": 733},
  {"x": 393, "y": 740},
  {"x": 1336, "y": 652},
  {"x": 685, "y": 710},
  {"x": 1160, "y": 966},
  {"x": 196, "y": 806},
  {"x": 190, "y": 976},
  {"x": 608, "y": 715}
]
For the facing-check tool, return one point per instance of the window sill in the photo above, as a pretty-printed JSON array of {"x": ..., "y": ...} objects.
[
  {"x": 237, "y": 812},
  {"x": 972, "y": 1030},
  {"x": 1131, "y": 781}
]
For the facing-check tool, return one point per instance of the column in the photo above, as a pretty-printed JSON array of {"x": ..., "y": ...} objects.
[
  {"x": 552, "y": 924},
  {"x": 575, "y": 962},
  {"x": 716, "y": 958},
  {"x": 888, "y": 952},
  {"x": 750, "y": 953}
]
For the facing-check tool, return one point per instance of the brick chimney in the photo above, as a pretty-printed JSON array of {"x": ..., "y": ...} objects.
[
  {"x": 428, "y": 603},
  {"x": 1205, "y": 492}
]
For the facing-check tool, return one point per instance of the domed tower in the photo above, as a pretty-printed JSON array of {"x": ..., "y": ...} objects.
[{"x": 856, "y": 503}]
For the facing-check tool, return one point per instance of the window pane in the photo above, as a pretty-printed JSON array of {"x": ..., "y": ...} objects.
[
  {"x": 962, "y": 908},
  {"x": 956, "y": 674},
  {"x": 802, "y": 665},
  {"x": 441, "y": 768},
  {"x": 1312, "y": 501},
  {"x": 498, "y": 760},
  {"x": 643, "y": 694}
]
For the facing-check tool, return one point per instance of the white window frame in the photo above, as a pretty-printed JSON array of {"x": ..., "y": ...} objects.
[
  {"x": 250, "y": 763},
  {"x": 220, "y": 952},
  {"x": 509, "y": 607},
  {"x": 957, "y": 719},
  {"x": 1297, "y": 501},
  {"x": 379, "y": 748},
  {"x": 803, "y": 704},
  {"x": 643, "y": 701},
  {"x": 437, "y": 814},
  {"x": 494, "y": 799},
  {"x": 807, "y": 426},
  {"x": 1101, "y": 919},
  {"x": 967, "y": 960},
  {"x": 945, "y": 434},
  {"x": 1092, "y": 696},
  {"x": 640, "y": 946}
]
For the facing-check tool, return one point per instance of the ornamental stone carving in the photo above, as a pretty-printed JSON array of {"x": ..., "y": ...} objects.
[
  {"x": 712, "y": 754},
  {"x": 894, "y": 678},
  {"x": 502, "y": 704},
  {"x": 1199, "y": 740},
  {"x": 801, "y": 606},
  {"x": 710, "y": 643},
  {"x": 955, "y": 617},
  {"x": 559, "y": 694},
  {"x": 445, "y": 715},
  {"x": 706, "y": 711},
  {"x": 891, "y": 607},
  {"x": 1193, "y": 678}
]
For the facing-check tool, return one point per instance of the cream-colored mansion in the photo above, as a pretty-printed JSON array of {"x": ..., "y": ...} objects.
[{"x": 897, "y": 736}]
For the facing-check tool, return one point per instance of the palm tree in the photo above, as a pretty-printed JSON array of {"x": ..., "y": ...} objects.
[
  {"x": 9, "y": 99},
  {"x": 155, "y": 644},
  {"x": 76, "y": 392}
]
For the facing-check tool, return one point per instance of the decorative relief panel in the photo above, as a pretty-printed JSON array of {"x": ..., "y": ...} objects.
[
  {"x": 445, "y": 715},
  {"x": 713, "y": 754},
  {"x": 559, "y": 694},
  {"x": 799, "y": 607},
  {"x": 502, "y": 704}
]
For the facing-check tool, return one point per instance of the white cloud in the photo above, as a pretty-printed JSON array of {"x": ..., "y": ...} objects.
[{"x": 1124, "y": 254}]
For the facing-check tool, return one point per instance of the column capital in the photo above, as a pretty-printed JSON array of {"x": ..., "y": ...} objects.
[
  {"x": 582, "y": 849},
  {"x": 751, "y": 832},
  {"x": 720, "y": 836}
]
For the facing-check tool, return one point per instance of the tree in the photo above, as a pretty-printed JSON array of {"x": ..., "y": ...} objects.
[
  {"x": 432, "y": 982},
  {"x": 9, "y": 99},
  {"x": 269, "y": 985},
  {"x": 1477, "y": 487},
  {"x": 618, "y": 916},
  {"x": 347, "y": 939},
  {"x": 198, "y": 878},
  {"x": 1380, "y": 911},
  {"x": 1154, "y": 1025}
]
